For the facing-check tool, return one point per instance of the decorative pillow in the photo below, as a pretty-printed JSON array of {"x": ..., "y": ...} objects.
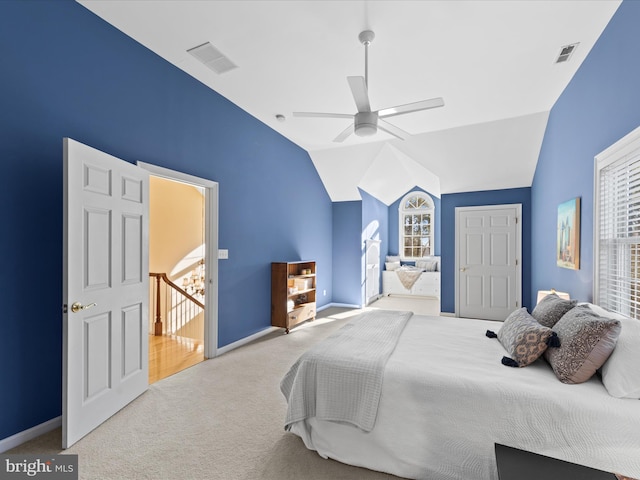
[
  {"x": 427, "y": 265},
  {"x": 393, "y": 258},
  {"x": 551, "y": 309},
  {"x": 523, "y": 337},
  {"x": 587, "y": 340},
  {"x": 391, "y": 265},
  {"x": 620, "y": 373}
]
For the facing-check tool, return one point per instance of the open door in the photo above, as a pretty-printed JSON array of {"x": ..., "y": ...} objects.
[{"x": 105, "y": 288}]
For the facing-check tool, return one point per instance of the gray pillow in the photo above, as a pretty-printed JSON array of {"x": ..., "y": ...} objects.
[
  {"x": 586, "y": 341},
  {"x": 551, "y": 309},
  {"x": 523, "y": 337}
]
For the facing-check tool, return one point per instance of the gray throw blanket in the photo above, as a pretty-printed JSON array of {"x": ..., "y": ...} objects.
[{"x": 340, "y": 378}]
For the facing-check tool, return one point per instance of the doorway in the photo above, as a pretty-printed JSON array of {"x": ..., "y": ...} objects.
[
  {"x": 182, "y": 271},
  {"x": 488, "y": 261},
  {"x": 106, "y": 283}
]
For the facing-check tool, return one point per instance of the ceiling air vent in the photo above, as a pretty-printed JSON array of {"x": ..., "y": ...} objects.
[
  {"x": 212, "y": 58},
  {"x": 565, "y": 52}
]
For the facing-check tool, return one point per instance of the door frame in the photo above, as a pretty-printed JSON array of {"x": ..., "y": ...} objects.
[
  {"x": 211, "y": 249},
  {"x": 459, "y": 210}
]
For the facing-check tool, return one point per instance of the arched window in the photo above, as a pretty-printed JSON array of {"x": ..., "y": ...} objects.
[{"x": 416, "y": 214}]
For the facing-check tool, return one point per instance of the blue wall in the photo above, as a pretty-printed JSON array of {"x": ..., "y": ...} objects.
[
  {"x": 394, "y": 248},
  {"x": 599, "y": 106},
  {"x": 448, "y": 252},
  {"x": 347, "y": 252},
  {"x": 67, "y": 73}
]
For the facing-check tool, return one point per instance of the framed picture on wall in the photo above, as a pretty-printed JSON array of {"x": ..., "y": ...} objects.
[{"x": 568, "y": 250}]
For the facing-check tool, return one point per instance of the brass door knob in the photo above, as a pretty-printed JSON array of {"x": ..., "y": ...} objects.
[{"x": 77, "y": 306}]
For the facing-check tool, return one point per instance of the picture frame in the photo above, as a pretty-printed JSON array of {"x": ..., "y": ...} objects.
[{"x": 568, "y": 234}]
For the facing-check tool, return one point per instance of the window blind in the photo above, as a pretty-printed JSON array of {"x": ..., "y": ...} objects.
[{"x": 618, "y": 235}]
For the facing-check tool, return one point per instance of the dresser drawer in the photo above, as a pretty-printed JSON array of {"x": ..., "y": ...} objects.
[{"x": 301, "y": 313}]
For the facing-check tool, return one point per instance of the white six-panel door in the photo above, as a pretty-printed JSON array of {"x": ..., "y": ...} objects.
[
  {"x": 105, "y": 287},
  {"x": 488, "y": 251}
]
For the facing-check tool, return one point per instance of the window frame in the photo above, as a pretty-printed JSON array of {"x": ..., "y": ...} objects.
[
  {"x": 624, "y": 151},
  {"x": 401, "y": 213}
]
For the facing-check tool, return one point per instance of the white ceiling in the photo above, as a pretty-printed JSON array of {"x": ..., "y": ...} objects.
[{"x": 491, "y": 61}]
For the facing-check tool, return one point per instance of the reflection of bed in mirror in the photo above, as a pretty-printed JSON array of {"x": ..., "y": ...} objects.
[{"x": 446, "y": 399}]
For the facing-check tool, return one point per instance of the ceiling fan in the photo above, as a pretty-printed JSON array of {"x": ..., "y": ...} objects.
[{"x": 366, "y": 122}]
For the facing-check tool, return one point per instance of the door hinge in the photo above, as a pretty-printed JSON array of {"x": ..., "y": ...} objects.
[
  {"x": 517, "y": 303},
  {"x": 516, "y": 220},
  {"x": 516, "y": 261}
]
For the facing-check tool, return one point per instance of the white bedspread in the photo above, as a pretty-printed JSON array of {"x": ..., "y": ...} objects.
[
  {"x": 446, "y": 399},
  {"x": 340, "y": 378}
]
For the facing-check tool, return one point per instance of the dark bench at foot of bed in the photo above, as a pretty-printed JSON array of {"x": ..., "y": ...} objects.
[{"x": 516, "y": 464}]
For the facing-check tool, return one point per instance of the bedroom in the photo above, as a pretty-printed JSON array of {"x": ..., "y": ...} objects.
[{"x": 56, "y": 87}]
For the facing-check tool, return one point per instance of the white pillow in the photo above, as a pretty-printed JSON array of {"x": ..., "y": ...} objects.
[
  {"x": 393, "y": 258},
  {"x": 620, "y": 373},
  {"x": 391, "y": 265}
]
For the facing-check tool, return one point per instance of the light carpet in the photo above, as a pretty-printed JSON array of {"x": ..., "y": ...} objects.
[{"x": 221, "y": 419}]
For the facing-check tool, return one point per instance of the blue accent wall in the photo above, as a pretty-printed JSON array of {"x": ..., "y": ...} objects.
[
  {"x": 394, "y": 248},
  {"x": 600, "y": 105},
  {"x": 448, "y": 252},
  {"x": 347, "y": 252},
  {"x": 67, "y": 73}
]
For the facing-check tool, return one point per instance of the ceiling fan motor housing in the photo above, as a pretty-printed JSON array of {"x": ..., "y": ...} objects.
[{"x": 366, "y": 124}]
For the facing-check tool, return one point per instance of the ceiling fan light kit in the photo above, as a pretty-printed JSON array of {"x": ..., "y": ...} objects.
[{"x": 366, "y": 122}]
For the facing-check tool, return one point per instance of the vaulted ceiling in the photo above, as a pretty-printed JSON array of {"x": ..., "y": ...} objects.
[{"x": 493, "y": 63}]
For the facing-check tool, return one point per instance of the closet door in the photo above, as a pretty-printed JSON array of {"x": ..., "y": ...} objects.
[
  {"x": 372, "y": 272},
  {"x": 488, "y": 246}
]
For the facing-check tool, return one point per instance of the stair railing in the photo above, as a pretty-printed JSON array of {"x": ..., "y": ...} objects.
[{"x": 179, "y": 307}]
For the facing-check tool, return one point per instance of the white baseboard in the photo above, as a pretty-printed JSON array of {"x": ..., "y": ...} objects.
[
  {"x": 244, "y": 341},
  {"x": 340, "y": 305},
  {"x": 29, "y": 434}
]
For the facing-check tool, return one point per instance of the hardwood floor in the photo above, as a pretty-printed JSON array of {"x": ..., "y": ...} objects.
[{"x": 172, "y": 354}]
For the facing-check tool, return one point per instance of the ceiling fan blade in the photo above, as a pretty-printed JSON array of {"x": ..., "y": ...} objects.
[
  {"x": 344, "y": 134},
  {"x": 392, "y": 129},
  {"x": 322, "y": 115},
  {"x": 411, "y": 107},
  {"x": 360, "y": 93}
]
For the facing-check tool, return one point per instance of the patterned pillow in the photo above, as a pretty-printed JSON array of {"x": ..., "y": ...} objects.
[
  {"x": 551, "y": 309},
  {"x": 587, "y": 340},
  {"x": 523, "y": 337},
  {"x": 427, "y": 265}
]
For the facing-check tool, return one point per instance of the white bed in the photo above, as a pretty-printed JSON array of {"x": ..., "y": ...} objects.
[{"x": 446, "y": 399}]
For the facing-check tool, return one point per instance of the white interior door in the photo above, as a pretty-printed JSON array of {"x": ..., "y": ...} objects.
[
  {"x": 105, "y": 287},
  {"x": 372, "y": 274},
  {"x": 488, "y": 251}
]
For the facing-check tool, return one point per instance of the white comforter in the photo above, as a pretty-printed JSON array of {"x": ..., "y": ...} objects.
[{"x": 446, "y": 399}]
